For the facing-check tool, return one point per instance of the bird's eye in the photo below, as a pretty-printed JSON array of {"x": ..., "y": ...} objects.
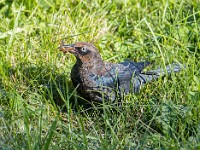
[{"x": 83, "y": 49}]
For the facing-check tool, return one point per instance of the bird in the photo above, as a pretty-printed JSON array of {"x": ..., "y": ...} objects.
[{"x": 98, "y": 81}]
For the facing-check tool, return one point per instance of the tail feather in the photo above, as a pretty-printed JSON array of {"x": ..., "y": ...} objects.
[{"x": 154, "y": 74}]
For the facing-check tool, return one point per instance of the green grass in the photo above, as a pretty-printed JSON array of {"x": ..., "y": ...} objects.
[{"x": 39, "y": 107}]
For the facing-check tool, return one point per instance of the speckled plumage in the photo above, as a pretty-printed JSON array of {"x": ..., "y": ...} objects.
[{"x": 97, "y": 80}]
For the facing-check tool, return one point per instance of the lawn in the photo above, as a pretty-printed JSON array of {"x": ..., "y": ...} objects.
[{"x": 40, "y": 108}]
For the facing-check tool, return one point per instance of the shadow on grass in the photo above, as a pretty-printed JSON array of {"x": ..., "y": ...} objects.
[{"x": 51, "y": 85}]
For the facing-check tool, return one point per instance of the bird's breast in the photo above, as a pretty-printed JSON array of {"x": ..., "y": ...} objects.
[{"x": 81, "y": 76}]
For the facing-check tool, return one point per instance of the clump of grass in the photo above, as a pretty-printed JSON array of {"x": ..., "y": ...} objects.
[{"x": 39, "y": 107}]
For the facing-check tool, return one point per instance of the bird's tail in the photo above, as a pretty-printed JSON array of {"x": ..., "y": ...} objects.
[{"x": 154, "y": 74}]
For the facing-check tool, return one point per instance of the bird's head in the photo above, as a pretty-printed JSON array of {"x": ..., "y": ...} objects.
[{"x": 85, "y": 52}]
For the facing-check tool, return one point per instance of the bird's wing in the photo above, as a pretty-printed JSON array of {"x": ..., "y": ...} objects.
[
  {"x": 119, "y": 74},
  {"x": 139, "y": 66}
]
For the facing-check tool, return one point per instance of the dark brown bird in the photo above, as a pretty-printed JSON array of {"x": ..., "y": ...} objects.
[{"x": 97, "y": 80}]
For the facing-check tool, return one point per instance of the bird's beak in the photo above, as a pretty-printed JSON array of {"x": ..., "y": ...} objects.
[{"x": 67, "y": 48}]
